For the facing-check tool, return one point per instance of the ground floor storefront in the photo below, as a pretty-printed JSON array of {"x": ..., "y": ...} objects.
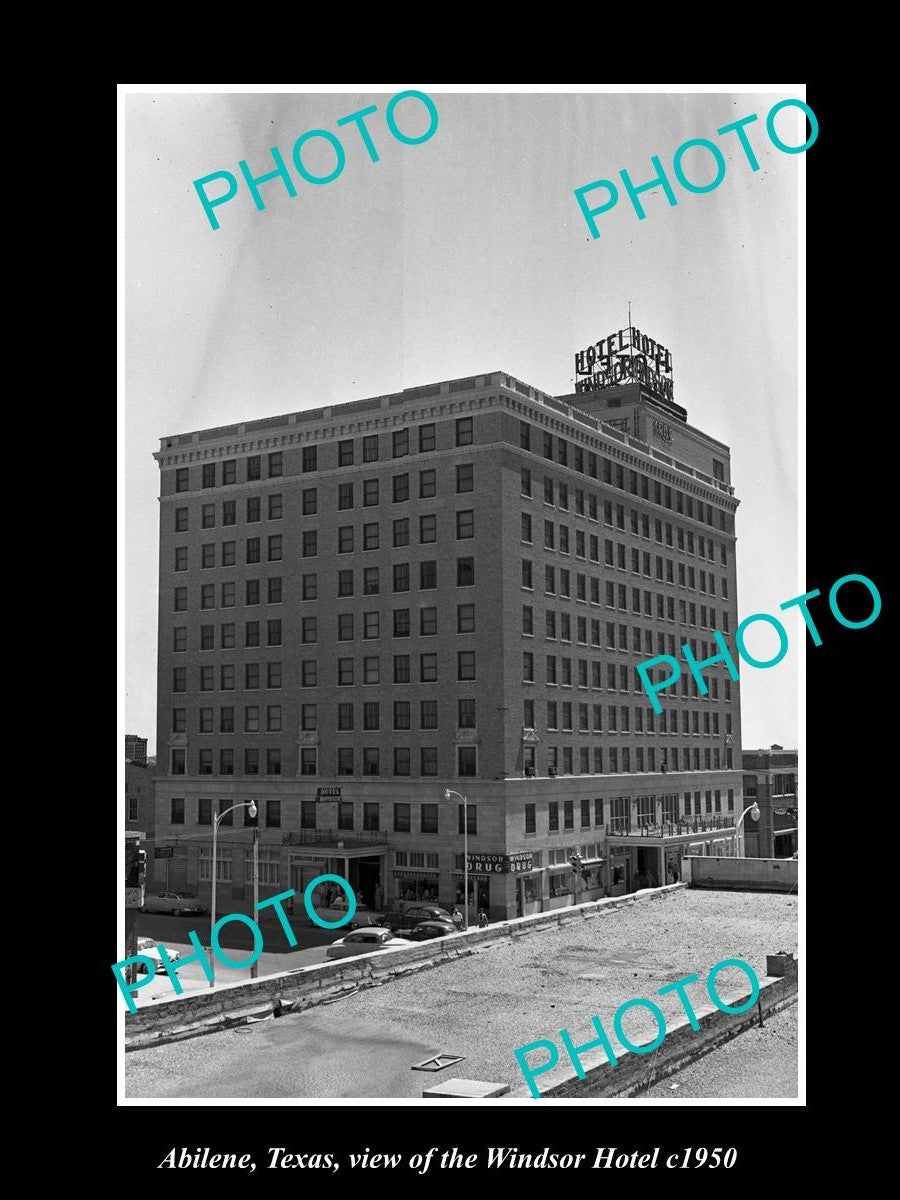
[{"x": 524, "y": 846}]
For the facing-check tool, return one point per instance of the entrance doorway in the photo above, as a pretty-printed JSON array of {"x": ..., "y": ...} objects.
[
  {"x": 479, "y": 895},
  {"x": 365, "y": 878},
  {"x": 647, "y": 874}
]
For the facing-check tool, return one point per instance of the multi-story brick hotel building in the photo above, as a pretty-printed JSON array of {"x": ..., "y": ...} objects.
[{"x": 364, "y": 605}]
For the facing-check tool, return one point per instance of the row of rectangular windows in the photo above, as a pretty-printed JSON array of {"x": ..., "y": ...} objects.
[
  {"x": 583, "y": 582},
  {"x": 400, "y": 446},
  {"x": 369, "y": 762},
  {"x": 594, "y": 668},
  {"x": 346, "y": 717},
  {"x": 625, "y": 479},
  {"x": 309, "y": 632},
  {"x": 465, "y": 623},
  {"x": 616, "y": 554},
  {"x": 556, "y": 493},
  {"x": 428, "y": 672},
  {"x": 558, "y": 626},
  {"x": 465, "y": 577},
  {"x": 645, "y": 719},
  {"x": 309, "y": 498},
  {"x": 615, "y": 596},
  {"x": 309, "y": 545},
  {"x": 590, "y": 760},
  {"x": 590, "y": 719},
  {"x": 347, "y": 818}
]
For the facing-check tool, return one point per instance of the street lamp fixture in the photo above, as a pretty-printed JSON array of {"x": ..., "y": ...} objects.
[
  {"x": 250, "y": 805},
  {"x": 448, "y": 795},
  {"x": 753, "y": 810}
]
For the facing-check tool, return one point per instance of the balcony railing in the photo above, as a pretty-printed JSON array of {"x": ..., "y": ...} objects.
[
  {"x": 620, "y": 827},
  {"x": 349, "y": 838}
]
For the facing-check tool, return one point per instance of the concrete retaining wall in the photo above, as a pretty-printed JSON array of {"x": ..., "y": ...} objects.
[
  {"x": 634, "y": 1074},
  {"x": 233, "y": 1004},
  {"x": 741, "y": 874}
]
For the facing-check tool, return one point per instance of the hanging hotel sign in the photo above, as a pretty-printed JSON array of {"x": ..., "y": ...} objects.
[
  {"x": 328, "y": 793},
  {"x": 628, "y": 356},
  {"x": 500, "y": 864}
]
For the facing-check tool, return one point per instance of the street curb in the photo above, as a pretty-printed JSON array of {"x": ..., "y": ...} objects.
[{"x": 232, "y": 1005}]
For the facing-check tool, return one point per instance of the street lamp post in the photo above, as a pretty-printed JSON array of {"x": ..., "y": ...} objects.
[
  {"x": 217, "y": 817},
  {"x": 753, "y": 810},
  {"x": 465, "y": 811}
]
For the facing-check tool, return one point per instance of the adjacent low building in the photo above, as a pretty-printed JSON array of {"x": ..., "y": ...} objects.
[
  {"x": 366, "y": 604},
  {"x": 140, "y": 798},
  {"x": 770, "y": 778}
]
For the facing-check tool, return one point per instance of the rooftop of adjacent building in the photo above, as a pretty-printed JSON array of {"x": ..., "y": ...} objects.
[
  {"x": 484, "y": 1006},
  {"x": 768, "y": 758},
  {"x": 582, "y": 409}
]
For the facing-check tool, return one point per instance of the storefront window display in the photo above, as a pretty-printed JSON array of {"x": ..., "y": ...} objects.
[
  {"x": 532, "y": 888},
  {"x": 561, "y": 884}
]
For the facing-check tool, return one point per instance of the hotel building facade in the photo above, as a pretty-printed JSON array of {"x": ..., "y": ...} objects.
[{"x": 364, "y": 605}]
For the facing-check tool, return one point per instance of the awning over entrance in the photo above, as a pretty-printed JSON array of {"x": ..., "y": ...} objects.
[
  {"x": 657, "y": 836},
  {"x": 332, "y": 845}
]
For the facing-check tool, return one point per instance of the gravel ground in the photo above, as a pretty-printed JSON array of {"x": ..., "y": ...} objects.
[
  {"x": 760, "y": 1062},
  {"x": 486, "y": 1005}
]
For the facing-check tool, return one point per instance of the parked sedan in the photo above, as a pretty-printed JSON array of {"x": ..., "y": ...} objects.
[
  {"x": 410, "y": 917},
  {"x": 431, "y": 929},
  {"x": 150, "y": 949},
  {"x": 175, "y": 903},
  {"x": 363, "y": 917},
  {"x": 364, "y": 941}
]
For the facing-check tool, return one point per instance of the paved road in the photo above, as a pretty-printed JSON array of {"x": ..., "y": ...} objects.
[
  {"x": 758, "y": 1063},
  {"x": 237, "y": 941},
  {"x": 174, "y": 931}
]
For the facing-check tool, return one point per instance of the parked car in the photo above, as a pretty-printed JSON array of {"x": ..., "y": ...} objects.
[
  {"x": 175, "y": 903},
  {"x": 409, "y": 918},
  {"x": 363, "y": 917},
  {"x": 364, "y": 941},
  {"x": 431, "y": 929},
  {"x": 150, "y": 949}
]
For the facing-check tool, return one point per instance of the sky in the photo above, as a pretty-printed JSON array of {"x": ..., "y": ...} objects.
[{"x": 463, "y": 254}]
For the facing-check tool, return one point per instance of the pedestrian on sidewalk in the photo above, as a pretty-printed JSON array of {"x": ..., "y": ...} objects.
[
  {"x": 482, "y": 919},
  {"x": 457, "y": 917}
]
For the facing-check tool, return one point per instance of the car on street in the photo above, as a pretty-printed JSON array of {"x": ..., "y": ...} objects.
[
  {"x": 364, "y": 941},
  {"x": 150, "y": 949},
  {"x": 176, "y": 903},
  {"x": 409, "y": 918},
  {"x": 431, "y": 929},
  {"x": 363, "y": 917}
]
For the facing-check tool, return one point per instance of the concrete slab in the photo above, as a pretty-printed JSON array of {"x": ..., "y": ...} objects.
[{"x": 467, "y": 1089}]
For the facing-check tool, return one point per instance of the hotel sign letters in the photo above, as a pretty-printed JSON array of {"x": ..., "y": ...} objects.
[{"x": 628, "y": 356}]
